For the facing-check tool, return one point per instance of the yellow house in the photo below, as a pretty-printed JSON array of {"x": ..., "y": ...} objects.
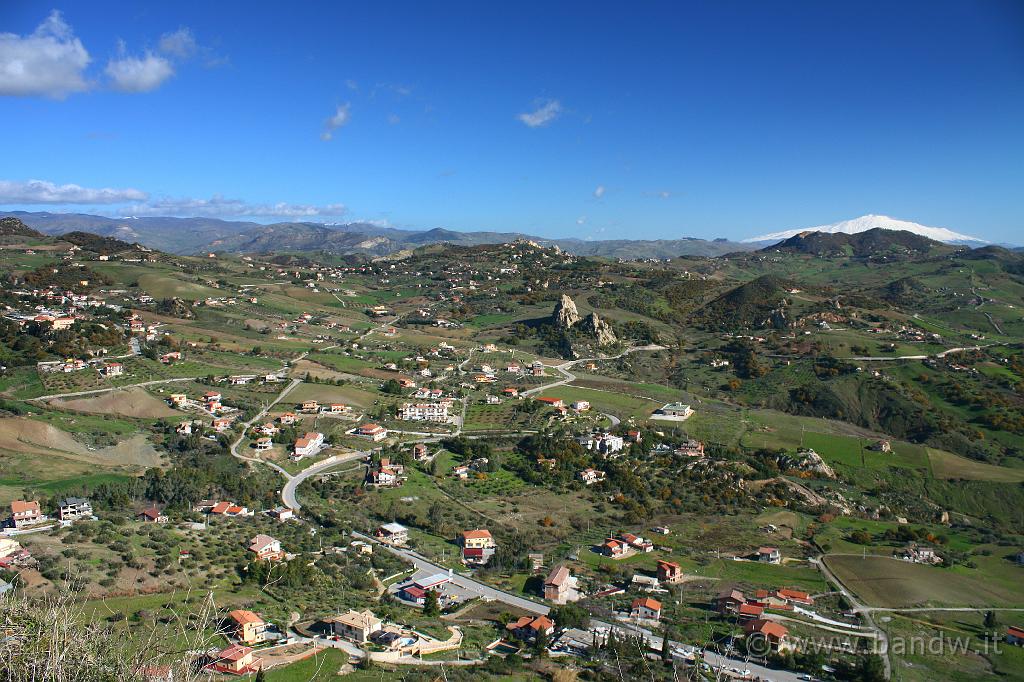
[
  {"x": 249, "y": 628},
  {"x": 477, "y": 539}
]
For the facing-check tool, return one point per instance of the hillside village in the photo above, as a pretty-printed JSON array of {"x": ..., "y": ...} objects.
[{"x": 513, "y": 458}]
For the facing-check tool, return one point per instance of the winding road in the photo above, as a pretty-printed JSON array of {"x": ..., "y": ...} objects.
[
  {"x": 288, "y": 491},
  {"x": 569, "y": 377},
  {"x": 487, "y": 592},
  {"x": 653, "y": 640}
]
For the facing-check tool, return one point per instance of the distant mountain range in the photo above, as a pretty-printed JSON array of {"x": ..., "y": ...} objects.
[
  {"x": 870, "y": 243},
  {"x": 199, "y": 235},
  {"x": 869, "y": 222}
]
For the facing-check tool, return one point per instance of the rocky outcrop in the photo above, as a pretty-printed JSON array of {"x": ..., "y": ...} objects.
[
  {"x": 778, "y": 320},
  {"x": 600, "y": 329},
  {"x": 806, "y": 460},
  {"x": 175, "y": 307},
  {"x": 565, "y": 314}
]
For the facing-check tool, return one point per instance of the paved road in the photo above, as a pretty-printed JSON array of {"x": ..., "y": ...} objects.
[
  {"x": 293, "y": 482},
  {"x": 468, "y": 584},
  {"x": 653, "y": 639}
]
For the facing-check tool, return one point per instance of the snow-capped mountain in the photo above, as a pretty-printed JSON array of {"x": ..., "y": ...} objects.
[{"x": 867, "y": 222}]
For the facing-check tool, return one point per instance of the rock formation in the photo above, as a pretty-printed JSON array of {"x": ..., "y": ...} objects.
[
  {"x": 600, "y": 329},
  {"x": 565, "y": 314}
]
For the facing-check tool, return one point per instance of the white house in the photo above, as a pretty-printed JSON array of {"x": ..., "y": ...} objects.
[
  {"x": 72, "y": 508},
  {"x": 375, "y": 432},
  {"x": 308, "y": 445},
  {"x": 432, "y": 412}
]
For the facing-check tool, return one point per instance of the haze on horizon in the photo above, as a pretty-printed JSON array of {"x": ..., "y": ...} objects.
[{"x": 595, "y": 121}]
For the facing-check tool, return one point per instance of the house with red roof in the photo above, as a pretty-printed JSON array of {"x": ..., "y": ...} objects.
[
  {"x": 776, "y": 634},
  {"x": 236, "y": 660},
  {"x": 529, "y": 627},
  {"x": 417, "y": 595},
  {"x": 246, "y": 626},
  {"x": 669, "y": 572},
  {"x": 795, "y": 597},
  {"x": 616, "y": 549},
  {"x": 478, "y": 546},
  {"x": 307, "y": 445},
  {"x": 266, "y": 548},
  {"x": 747, "y": 611},
  {"x": 152, "y": 515},
  {"x": 645, "y": 608},
  {"x": 374, "y": 432},
  {"x": 25, "y": 513}
]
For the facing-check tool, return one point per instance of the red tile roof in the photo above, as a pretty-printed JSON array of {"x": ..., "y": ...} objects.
[
  {"x": 234, "y": 652},
  {"x": 478, "y": 534},
  {"x": 241, "y": 616},
  {"x": 415, "y": 592},
  {"x": 647, "y": 603}
]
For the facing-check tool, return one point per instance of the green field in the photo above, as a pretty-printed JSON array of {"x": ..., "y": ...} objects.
[
  {"x": 886, "y": 582},
  {"x": 619, "y": 404},
  {"x": 947, "y": 465}
]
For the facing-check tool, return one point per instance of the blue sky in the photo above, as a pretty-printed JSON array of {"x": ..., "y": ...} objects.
[{"x": 596, "y": 120}]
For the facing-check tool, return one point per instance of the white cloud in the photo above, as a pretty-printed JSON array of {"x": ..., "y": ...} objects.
[
  {"x": 582, "y": 219},
  {"x": 139, "y": 74},
  {"x": 49, "y": 62},
  {"x": 341, "y": 117},
  {"x": 545, "y": 113},
  {"x": 221, "y": 207},
  {"x": 394, "y": 119},
  {"x": 44, "y": 192},
  {"x": 181, "y": 43},
  {"x": 136, "y": 202},
  {"x": 351, "y": 84},
  {"x": 599, "y": 191}
]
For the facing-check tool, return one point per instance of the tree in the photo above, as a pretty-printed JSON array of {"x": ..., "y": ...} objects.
[
  {"x": 570, "y": 616},
  {"x": 990, "y": 620},
  {"x": 870, "y": 669},
  {"x": 432, "y": 605},
  {"x": 861, "y": 537},
  {"x": 540, "y": 644}
]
